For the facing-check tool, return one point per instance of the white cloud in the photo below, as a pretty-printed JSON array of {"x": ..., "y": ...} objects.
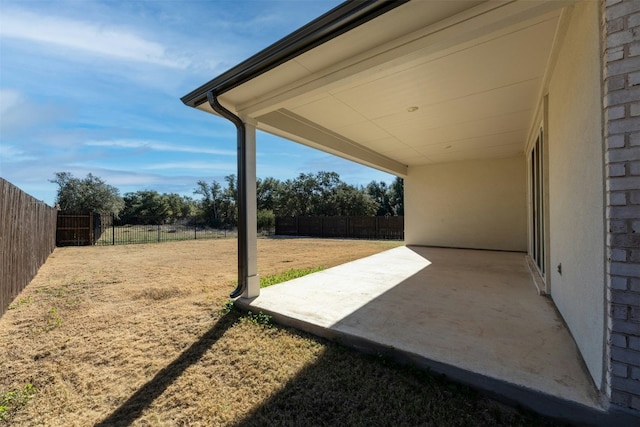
[
  {"x": 203, "y": 166},
  {"x": 130, "y": 179},
  {"x": 93, "y": 38},
  {"x": 116, "y": 177},
  {"x": 9, "y": 99},
  {"x": 159, "y": 146},
  {"x": 11, "y": 154},
  {"x": 18, "y": 113}
]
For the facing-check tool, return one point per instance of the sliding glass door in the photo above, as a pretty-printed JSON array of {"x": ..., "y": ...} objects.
[{"x": 537, "y": 204}]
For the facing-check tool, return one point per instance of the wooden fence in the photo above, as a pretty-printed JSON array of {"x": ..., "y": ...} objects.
[
  {"x": 359, "y": 227},
  {"x": 79, "y": 228},
  {"x": 27, "y": 238}
]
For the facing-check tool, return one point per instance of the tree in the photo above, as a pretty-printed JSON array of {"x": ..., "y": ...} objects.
[
  {"x": 309, "y": 194},
  {"x": 151, "y": 207},
  {"x": 218, "y": 206},
  {"x": 178, "y": 207},
  {"x": 396, "y": 196},
  {"x": 88, "y": 194},
  {"x": 351, "y": 201},
  {"x": 325, "y": 200},
  {"x": 209, "y": 205},
  {"x": 229, "y": 205},
  {"x": 269, "y": 192},
  {"x": 145, "y": 207},
  {"x": 381, "y": 194},
  {"x": 322, "y": 194}
]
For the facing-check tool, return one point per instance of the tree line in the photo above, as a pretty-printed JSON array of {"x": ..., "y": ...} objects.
[{"x": 320, "y": 194}]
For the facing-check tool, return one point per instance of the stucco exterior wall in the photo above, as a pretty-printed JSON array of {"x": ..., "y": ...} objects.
[
  {"x": 576, "y": 189},
  {"x": 478, "y": 204}
]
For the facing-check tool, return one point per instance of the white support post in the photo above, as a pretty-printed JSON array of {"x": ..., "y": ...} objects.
[{"x": 253, "y": 282}]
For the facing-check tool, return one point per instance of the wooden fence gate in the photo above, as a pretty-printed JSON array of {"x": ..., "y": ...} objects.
[{"x": 77, "y": 228}]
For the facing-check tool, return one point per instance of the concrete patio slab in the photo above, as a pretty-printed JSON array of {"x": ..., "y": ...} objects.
[{"x": 473, "y": 315}]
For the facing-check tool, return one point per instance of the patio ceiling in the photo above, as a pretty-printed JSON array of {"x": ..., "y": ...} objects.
[{"x": 427, "y": 82}]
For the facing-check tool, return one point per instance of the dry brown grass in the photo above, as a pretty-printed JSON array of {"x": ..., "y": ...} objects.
[{"x": 137, "y": 335}]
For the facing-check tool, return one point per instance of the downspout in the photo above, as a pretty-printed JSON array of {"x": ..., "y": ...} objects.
[
  {"x": 332, "y": 24},
  {"x": 243, "y": 250}
]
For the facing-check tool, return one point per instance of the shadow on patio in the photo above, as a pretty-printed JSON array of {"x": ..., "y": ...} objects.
[{"x": 472, "y": 315}]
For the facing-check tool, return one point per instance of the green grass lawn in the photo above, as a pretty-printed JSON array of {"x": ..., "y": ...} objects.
[{"x": 292, "y": 273}]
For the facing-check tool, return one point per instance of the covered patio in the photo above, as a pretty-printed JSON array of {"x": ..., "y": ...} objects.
[
  {"x": 473, "y": 315},
  {"x": 494, "y": 115}
]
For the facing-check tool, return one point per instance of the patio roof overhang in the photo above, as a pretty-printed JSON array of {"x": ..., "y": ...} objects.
[{"x": 455, "y": 81}]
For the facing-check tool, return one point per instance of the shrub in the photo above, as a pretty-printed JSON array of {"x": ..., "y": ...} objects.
[{"x": 266, "y": 219}]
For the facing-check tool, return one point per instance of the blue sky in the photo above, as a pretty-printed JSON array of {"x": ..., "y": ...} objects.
[{"x": 95, "y": 87}]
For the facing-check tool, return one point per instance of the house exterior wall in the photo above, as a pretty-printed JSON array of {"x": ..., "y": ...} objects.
[
  {"x": 479, "y": 204},
  {"x": 621, "y": 78},
  {"x": 576, "y": 189}
]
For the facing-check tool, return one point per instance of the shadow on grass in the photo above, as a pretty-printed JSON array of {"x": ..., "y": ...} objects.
[
  {"x": 345, "y": 387},
  {"x": 132, "y": 409},
  {"x": 341, "y": 387}
]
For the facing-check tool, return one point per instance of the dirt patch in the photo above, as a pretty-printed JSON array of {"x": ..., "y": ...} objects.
[{"x": 138, "y": 335}]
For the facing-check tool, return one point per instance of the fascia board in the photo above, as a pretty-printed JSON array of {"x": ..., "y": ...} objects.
[
  {"x": 337, "y": 21},
  {"x": 295, "y": 128}
]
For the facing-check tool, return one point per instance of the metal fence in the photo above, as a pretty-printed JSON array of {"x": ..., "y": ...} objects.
[
  {"x": 27, "y": 238},
  {"x": 142, "y": 229},
  {"x": 360, "y": 227},
  {"x": 85, "y": 228},
  {"x": 112, "y": 231}
]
